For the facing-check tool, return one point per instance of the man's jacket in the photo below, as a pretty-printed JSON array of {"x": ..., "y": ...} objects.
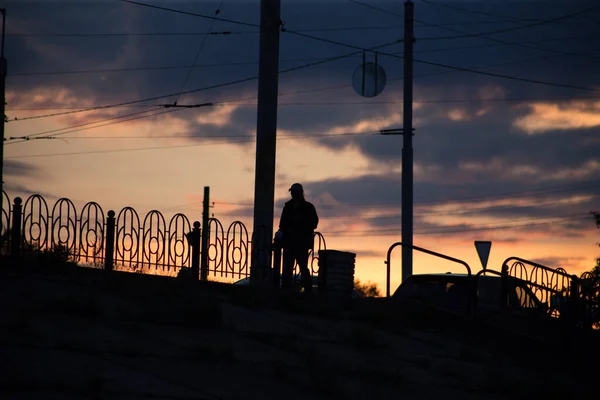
[{"x": 298, "y": 224}]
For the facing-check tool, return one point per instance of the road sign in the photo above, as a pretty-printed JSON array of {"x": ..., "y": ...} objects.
[
  {"x": 369, "y": 79},
  {"x": 483, "y": 250}
]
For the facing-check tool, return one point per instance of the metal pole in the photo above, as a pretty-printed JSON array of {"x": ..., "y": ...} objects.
[
  {"x": 266, "y": 134},
  {"x": 2, "y": 113},
  {"x": 205, "y": 235},
  {"x": 407, "y": 150}
]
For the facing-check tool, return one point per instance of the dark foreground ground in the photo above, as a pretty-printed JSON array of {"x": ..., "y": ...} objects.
[{"x": 85, "y": 335}]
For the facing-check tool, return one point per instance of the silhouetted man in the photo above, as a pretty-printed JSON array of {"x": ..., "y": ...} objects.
[{"x": 298, "y": 223}]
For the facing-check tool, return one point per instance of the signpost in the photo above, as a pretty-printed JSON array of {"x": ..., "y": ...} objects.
[{"x": 483, "y": 251}]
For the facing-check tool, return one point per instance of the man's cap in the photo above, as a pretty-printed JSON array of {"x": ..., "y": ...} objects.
[{"x": 296, "y": 187}]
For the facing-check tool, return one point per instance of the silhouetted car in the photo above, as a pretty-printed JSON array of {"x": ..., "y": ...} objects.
[
  {"x": 297, "y": 285},
  {"x": 456, "y": 292}
]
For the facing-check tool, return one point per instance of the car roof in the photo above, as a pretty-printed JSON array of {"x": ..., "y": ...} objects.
[{"x": 449, "y": 274}]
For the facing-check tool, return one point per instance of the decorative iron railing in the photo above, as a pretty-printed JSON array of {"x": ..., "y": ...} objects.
[{"x": 128, "y": 241}]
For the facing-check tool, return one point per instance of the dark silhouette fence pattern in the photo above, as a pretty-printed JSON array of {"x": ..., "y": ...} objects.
[
  {"x": 553, "y": 286},
  {"x": 126, "y": 241}
]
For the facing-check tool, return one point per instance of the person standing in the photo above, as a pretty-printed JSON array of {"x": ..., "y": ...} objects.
[{"x": 298, "y": 222}]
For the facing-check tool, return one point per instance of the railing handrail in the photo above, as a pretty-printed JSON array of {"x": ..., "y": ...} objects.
[
  {"x": 421, "y": 249},
  {"x": 131, "y": 238},
  {"x": 540, "y": 266}
]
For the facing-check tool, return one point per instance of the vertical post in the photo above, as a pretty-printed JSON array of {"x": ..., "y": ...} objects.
[
  {"x": 266, "y": 133},
  {"x": 2, "y": 105},
  {"x": 504, "y": 288},
  {"x": 109, "y": 245},
  {"x": 276, "y": 267},
  {"x": 195, "y": 242},
  {"x": 15, "y": 234},
  {"x": 205, "y": 235},
  {"x": 407, "y": 150}
]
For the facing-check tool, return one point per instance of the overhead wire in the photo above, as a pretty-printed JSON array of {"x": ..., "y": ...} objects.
[
  {"x": 254, "y": 32},
  {"x": 429, "y": 62},
  {"x": 488, "y": 14},
  {"x": 504, "y": 42},
  {"x": 240, "y": 139},
  {"x": 87, "y": 126},
  {"x": 128, "y": 103},
  {"x": 504, "y": 30},
  {"x": 243, "y": 63},
  {"x": 360, "y": 49},
  {"x": 27, "y": 137},
  {"x": 215, "y": 86},
  {"x": 202, "y": 44},
  {"x": 132, "y": 103}
]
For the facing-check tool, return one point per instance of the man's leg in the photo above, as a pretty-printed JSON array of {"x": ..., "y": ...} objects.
[
  {"x": 302, "y": 258},
  {"x": 287, "y": 274}
]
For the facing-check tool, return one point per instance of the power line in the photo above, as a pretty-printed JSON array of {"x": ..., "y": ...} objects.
[
  {"x": 504, "y": 42},
  {"x": 533, "y": 24},
  {"x": 471, "y": 70},
  {"x": 255, "y": 32},
  {"x": 79, "y": 109},
  {"x": 526, "y": 26},
  {"x": 87, "y": 126},
  {"x": 302, "y": 91},
  {"x": 192, "y": 14},
  {"x": 316, "y": 90},
  {"x": 298, "y": 33},
  {"x": 230, "y": 83},
  {"x": 202, "y": 44},
  {"x": 242, "y": 139},
  {"x": 469, "y": 11},
  {"x": 362, "y": 103},
  {"x": 244, "y": 63}
]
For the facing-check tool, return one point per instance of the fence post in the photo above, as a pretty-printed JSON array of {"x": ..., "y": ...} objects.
[
  {"x": 196, "y": 250},
  {"x": 15, "y": 234},
  {"x": 205, "y": 235},
  {"x": 109, "y": 249},
  {"x": 504, "y": 287}
]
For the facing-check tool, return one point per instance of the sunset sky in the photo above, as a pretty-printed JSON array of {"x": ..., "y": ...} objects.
[{"x": 497, "y": 156}]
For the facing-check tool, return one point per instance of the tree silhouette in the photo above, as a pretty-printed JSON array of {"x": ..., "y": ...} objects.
[
  {"x": 367, "y": 289},
  {"x": 596, "y": 269}
]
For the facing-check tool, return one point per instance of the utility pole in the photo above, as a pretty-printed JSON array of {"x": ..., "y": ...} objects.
[
  {"x": 2, "y": 113},
  {"x": 407, "y": 150},
  {"x": 266, "y": 136}
]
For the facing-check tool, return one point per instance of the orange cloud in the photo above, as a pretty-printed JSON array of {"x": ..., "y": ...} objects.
[{"x": 544, "y": 117}]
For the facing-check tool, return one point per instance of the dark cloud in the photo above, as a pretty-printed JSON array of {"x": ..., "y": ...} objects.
[
  {"x": 23, "y": 191},
  {"x": 372, "y": 202},
  {"x": 15, "y": 168},
  {"x": 489, "y": 143},
  {"x": 51, "y": 53}
]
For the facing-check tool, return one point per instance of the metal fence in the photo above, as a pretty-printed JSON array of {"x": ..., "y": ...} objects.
[{"x": 127, "y": 241}]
